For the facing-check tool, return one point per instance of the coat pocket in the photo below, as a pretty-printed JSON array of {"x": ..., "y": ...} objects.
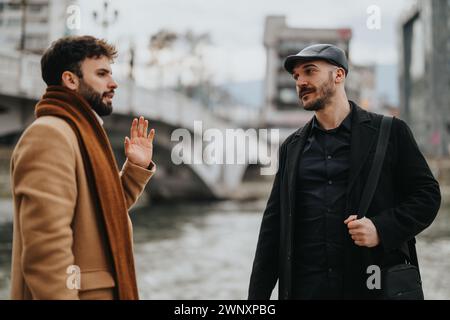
[{"x": 99, "y": 279}]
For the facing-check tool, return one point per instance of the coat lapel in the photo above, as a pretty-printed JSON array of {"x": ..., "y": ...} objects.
[
  {"x": 294, "y": 150},
  {"x": 362, "y": 139}
]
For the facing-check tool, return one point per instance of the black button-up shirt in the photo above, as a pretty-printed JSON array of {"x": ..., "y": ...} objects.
[{"x": 321, "y": 203}]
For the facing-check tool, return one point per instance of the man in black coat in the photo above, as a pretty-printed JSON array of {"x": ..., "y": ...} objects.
[{"x": 311, "y": 240}]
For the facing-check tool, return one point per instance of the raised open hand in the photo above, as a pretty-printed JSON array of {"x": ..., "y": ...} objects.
[{"x": 139, "y": 148}]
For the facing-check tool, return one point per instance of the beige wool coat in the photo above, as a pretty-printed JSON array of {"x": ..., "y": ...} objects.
[{"x": 58, "y": 231}]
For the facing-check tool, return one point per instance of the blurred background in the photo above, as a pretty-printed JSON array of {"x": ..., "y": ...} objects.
[{"x": 220, "y": 62}]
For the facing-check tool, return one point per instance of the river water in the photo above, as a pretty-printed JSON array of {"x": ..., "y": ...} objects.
[{"x": 205, "y": 251}]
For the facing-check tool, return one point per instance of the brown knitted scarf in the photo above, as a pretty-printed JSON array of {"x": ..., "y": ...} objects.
[{"x": 103, "y": 175}]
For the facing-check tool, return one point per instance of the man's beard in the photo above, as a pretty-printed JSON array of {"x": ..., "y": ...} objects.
[
  {"x": 326, "y": 91},
  {"x": 95, "y": 99}
]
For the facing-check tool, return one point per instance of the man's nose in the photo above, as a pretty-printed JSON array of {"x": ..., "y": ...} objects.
[
  {"x": 301, "y": 82},
  {"x": 113, "y": 84}
]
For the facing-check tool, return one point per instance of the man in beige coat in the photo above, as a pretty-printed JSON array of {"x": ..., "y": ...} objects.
[{"x": 70, "y": 240}]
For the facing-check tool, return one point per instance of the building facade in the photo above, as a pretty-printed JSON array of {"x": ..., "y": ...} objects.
[
  {"x": 31, "y": 25},
  {"x": 425, "y": 74}
]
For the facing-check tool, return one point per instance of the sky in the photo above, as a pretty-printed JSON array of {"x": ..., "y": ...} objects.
[{"x": 236, "y": 27}]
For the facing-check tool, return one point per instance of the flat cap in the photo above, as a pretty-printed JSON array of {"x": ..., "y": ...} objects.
[{"x": 327, "y": 52}]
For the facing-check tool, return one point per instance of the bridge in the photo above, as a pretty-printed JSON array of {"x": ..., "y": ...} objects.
[{"x": 21, "y": 87}]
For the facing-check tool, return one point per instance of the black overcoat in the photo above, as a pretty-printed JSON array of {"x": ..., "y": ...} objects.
[{"x": 405, "y": 202}]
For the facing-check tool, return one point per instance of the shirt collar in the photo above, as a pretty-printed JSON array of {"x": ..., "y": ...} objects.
[
  {"x": 100, "y": 120},
  {"x": 346, "y": 123}
]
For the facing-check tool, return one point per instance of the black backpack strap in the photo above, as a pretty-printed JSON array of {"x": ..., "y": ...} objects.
[
  {"x": 374, "y": 174},
  {"x": 372, "y": 182},
  {"x": 413, "y": 253}
]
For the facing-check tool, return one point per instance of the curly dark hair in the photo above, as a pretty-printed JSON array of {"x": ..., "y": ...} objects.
[{"x": 67, "y": 54}]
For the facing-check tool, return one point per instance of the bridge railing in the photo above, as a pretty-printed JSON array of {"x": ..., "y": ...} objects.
[{"x": 166, "y": 105}]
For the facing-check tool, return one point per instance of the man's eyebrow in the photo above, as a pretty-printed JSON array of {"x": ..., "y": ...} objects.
[
  {"x": 104, "y": 70},
  {"x": 309, "y": 65}
]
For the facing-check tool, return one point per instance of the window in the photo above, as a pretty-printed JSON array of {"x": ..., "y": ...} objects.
[{"x": 417, "y": 67}]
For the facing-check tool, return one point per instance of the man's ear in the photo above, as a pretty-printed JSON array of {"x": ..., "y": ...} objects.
[
  {"x": 340, "y": 75},
  {"x": 70, "y": 80}
]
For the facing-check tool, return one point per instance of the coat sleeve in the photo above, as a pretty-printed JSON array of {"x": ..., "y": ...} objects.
[
  {"x": 266, "y": 263},
  {"x": 418, "y": 191},
  {"x": 134, "y": 178},
  {"x": 45, "y": 191}
]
